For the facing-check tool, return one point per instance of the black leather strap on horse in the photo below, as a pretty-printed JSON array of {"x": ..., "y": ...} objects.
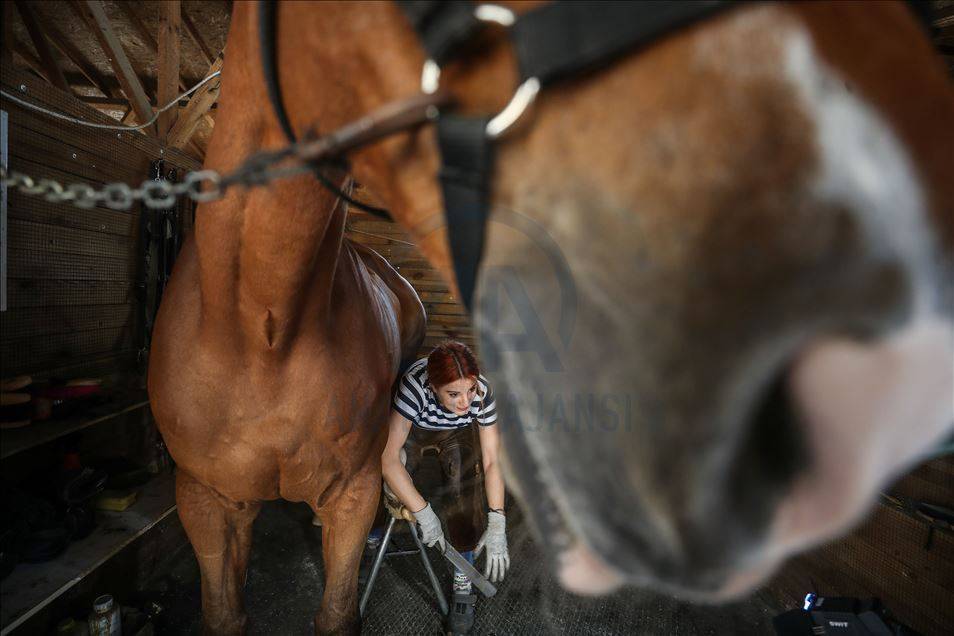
[
  {"x": 553, "y": 42},
  {"x": 563, "y": 39},
  {"x": 267, "y": 33},
  {"x": 442, "y": 25},
  {"x": 557, "y": 41},
  {"x": 466, "y": 164}
]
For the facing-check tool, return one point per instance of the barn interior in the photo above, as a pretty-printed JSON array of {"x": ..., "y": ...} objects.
[{"x": 89, "y": 504}]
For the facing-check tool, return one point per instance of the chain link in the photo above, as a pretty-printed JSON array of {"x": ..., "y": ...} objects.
[{"x": 202, "y": 186}]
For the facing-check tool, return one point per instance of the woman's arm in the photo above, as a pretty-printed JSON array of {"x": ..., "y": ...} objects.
[
  {"x": 493, "y": 476},
  {"x": 395, "y": 474}
]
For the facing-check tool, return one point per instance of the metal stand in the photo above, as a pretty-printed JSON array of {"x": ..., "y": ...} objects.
[{"x": 383, "y": 552}]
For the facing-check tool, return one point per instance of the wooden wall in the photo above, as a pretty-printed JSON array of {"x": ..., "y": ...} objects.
[
  {"x": 894, "y": 555},
  {"x": 446, "y": 316},
  {"x": 71, "y": 297}
]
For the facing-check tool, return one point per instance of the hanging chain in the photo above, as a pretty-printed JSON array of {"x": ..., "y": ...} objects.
[
  {"x": 260, "y": 169},
  {"x": 201, "y": 186}
]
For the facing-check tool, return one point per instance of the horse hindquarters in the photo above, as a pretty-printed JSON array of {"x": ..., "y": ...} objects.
[{"x": 220, "y": 532}]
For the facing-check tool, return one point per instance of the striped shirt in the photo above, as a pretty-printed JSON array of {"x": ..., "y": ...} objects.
[{"x": 417, "y": 402}]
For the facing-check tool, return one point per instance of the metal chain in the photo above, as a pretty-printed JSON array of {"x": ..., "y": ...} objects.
[{"x": 201, "y": 186}]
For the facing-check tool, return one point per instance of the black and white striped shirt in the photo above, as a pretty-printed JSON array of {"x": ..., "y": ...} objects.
[{"x": 417, "y": 402}]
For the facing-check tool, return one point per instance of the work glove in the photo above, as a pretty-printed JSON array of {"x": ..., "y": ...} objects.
[
  {"x": 431, "y": 532},
  {"x": 495, "y": 540}
]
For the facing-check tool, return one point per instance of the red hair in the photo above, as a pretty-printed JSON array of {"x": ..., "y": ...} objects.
[{"x": 451, "y": 361}]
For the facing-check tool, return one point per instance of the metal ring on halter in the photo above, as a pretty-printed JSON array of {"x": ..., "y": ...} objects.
[{"x": 525, "y": 94}]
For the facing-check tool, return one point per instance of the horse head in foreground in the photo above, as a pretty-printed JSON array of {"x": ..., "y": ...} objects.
[{"x": 752, "y": 217}]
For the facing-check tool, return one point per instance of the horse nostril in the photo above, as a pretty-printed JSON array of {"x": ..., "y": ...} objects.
[
  {"x": 771, "y": 452},
  {"x": 776, "y": 433}
]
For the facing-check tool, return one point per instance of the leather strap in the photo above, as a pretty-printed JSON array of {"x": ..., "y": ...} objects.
[
  {"x": 442, "y": 25},
  {"x": 565, "y": 38},
  {"x": 467, "y": 159},
  {"x": 553, "y": 42},
  {"x": 267, "y": 30}
]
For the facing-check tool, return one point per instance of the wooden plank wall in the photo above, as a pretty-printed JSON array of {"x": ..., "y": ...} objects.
[
  {"x": 446, "y": 316},
  {"x": 893, "y": 556},
  {"x": 72, "y": 304}
]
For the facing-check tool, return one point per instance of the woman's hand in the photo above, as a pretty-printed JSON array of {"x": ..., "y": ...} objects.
[
  {"x": 495, "y": 540},
  {"x": 431, "y": 531}
]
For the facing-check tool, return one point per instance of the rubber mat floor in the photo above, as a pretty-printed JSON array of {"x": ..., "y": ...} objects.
[{"x": 284, "y": 586}]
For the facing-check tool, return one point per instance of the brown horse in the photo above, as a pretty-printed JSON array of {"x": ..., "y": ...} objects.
[
  {"x": 757, "y": 213},
  {"x": 275, "y": 350}
]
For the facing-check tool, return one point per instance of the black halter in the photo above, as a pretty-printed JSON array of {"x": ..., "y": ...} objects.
[{"x": 555, "y": 42}]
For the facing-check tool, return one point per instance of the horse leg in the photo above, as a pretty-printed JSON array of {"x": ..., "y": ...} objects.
[
  {"x": 344, "y": 529},
  {"x": 220, "y": 531}
]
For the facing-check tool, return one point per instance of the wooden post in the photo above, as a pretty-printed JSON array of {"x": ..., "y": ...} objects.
[
  {"x": 51, "y": 70},
  {"x": 147, "y": 39},
  {"x": 169, "y": 20},
  {"x": 95, "y": 16},
  {"x": 198, "y": 107}
]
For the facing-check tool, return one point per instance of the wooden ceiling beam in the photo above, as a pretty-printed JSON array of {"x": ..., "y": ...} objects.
[
  {"x": 96, "y": 100},
  {"x": 27, "y": 56},
  {"x": 944, "y": 17},
  {"x": 51, "y": 70},
  {"x": 195, "y": 150},
  {"x": 95, "y": 17},
  {"x": 7, "y": 42},
  {"x": 170, "y": 18},
  {"x": 197, "y": 38},
  {"x": 74, "y": 55},
  {"x": 137, "y": 23},
  {"x": 128, "y": 9},
  {"x": 198, "y": 108}
]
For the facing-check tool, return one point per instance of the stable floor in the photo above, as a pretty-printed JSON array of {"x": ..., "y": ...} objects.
[{"x": 285, "y": 582}]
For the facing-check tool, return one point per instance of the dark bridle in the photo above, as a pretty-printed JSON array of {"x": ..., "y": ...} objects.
[{"x": 555, "y": 42}]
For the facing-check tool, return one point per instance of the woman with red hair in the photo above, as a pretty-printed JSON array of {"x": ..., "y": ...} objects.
[{"x": 444, "y": 403}]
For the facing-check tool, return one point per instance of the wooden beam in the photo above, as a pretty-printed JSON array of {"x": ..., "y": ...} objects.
[
  {"x": 198, "y": 107},
  {"x": 944, "y": 17},
  {"x": 193, "y": 149},
  {"x": 51, "y": 69},
  {"x": 74, "y": 55},
  {"x": 96, "y": 100},
  {"x": 95, "y": 16},
  {"x": 7, "y": 32},
  {"x": 197, "y": 38},
  {"x": 128, "y": 9},
  {"x": 31, "y": 60},
  {"x": 137, "y": 23},
  {"x": 170, "y": 14}
]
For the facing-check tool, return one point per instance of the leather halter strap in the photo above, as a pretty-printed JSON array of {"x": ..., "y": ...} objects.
[
  {"x": 267, "y": 29},
  {"x": 554, "y": 42}
]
